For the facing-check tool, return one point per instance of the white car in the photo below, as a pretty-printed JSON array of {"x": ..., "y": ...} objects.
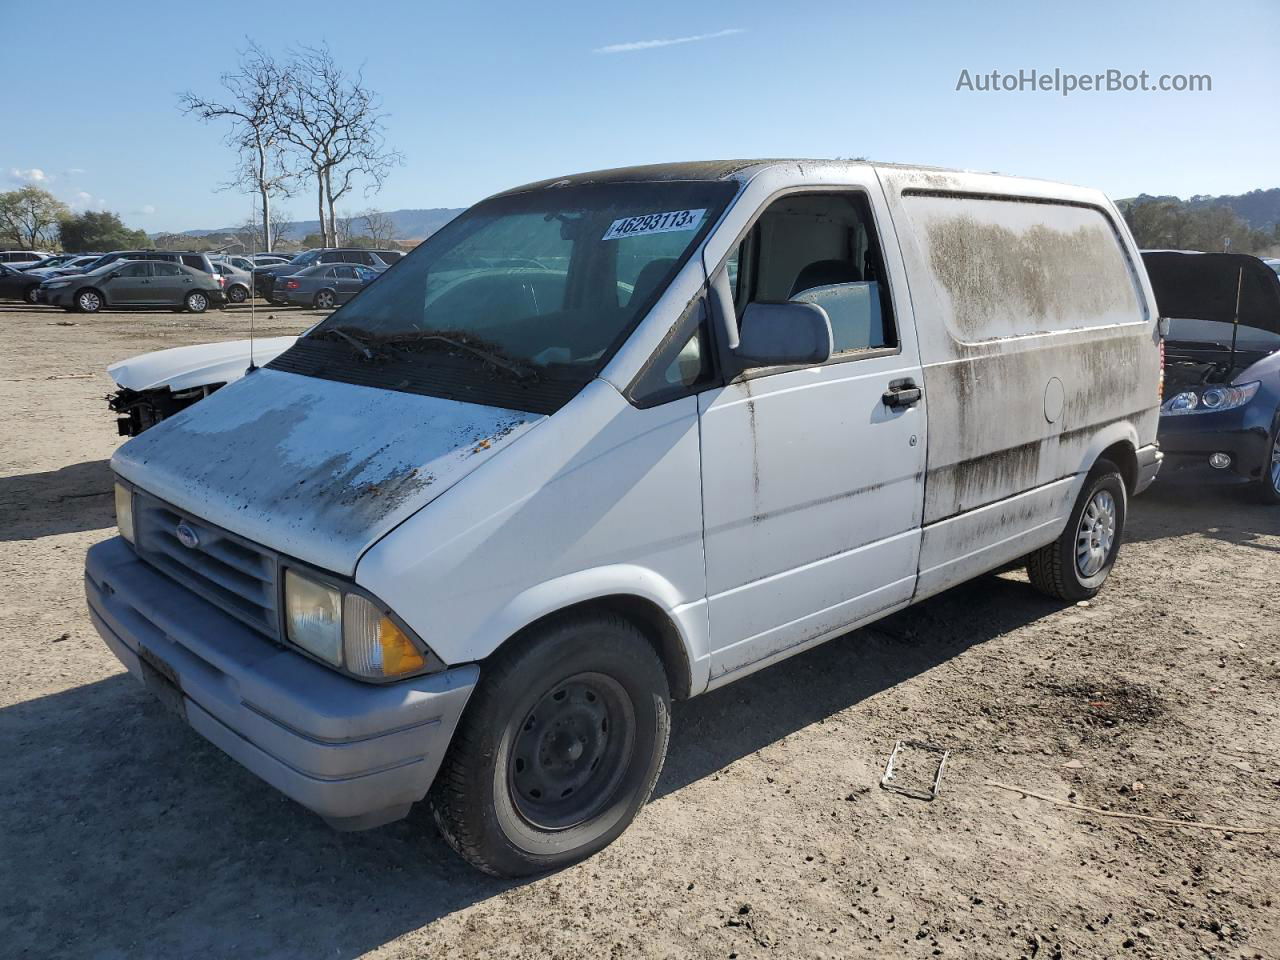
[
  {"x": 153, "y": 386},
  {"x": 466, "y": 544}
]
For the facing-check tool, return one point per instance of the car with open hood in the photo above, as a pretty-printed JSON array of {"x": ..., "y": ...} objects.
[
  {"x": 1220, "y": 421},
  {"x": 616, "y": 438}
]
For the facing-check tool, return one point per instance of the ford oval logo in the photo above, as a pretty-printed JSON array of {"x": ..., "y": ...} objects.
[{"x": 186, "y": 536}]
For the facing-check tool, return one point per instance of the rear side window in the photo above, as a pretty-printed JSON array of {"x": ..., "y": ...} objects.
[
  {"x": 193, "y": 260},
  {"x": 1012, "y": 267},
  {"x": 166, "y": 270}
]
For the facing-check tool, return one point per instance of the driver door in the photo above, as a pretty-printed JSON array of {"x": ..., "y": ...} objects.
[
  {"x": 130, "y": 284},
  {"x": 812, "y": 478}
]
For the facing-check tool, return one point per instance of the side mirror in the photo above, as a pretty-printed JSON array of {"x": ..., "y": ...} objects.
[
  {"x": 778, "y": 334},
  {"x": 1163, "y": 325}
]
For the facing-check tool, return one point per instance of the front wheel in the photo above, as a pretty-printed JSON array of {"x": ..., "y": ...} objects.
[
  {"x": 196, "y": 302},
  {"x": 30, "y": 295},
  {"x": 1268, "y": 485},
  {"x": 1075, "y": 566},
  {"x": 237, "y": 294},
  {"x": 89, "y": 301},
  {"x": 558, "y": 749}
]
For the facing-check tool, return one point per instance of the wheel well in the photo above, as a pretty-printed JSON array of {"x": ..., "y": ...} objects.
[
  {"x": 645, "y": 614},
  {"x": 1123, "y": 456}
]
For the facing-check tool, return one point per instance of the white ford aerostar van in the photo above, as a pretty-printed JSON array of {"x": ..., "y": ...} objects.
[{"x": 616, "y": 438}]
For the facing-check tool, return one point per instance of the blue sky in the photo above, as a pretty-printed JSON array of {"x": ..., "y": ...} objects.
[{"x": 483, "y": 96}]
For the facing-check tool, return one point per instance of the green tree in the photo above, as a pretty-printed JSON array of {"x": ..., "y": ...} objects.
[
  {"x": 29, "y": 218},
  {"x": 99, "y": 230}
]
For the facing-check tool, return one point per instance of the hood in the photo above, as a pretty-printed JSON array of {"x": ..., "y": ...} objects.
[
  {"x": 1204, "y": 286},
  {"x": 315, "y": 469},
  {"x": 182, "y": 368}
]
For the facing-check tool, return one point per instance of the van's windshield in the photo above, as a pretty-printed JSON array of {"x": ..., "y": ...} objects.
[{"x": 545, "y": 284}]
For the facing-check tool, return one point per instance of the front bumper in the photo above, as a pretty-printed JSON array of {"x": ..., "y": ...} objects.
[
  {"x": 1243, "y": 433},
  {"x": 358, "y": 754}
]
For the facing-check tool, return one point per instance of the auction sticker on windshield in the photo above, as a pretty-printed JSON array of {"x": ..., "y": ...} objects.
[{"x": 669, "y": 222}]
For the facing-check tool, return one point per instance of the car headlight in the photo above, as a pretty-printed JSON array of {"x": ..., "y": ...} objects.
[
  {"x": 349, "y": 631},
  {"x": 1211, "y": 399},
  {"x": 124, "y": 511}
]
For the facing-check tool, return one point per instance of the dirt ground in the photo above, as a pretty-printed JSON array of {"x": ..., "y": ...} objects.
[{"x": 123, "y": 834}]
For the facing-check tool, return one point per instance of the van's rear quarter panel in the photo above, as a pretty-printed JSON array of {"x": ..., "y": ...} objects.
[{"x": 1011, "y": 291}]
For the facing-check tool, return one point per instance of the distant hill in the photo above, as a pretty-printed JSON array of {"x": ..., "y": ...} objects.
[
  {"x": 1260, "y": 209},
  {"x": 410, "y": 224}
]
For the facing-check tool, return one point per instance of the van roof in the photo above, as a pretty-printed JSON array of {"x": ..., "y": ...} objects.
[{"x": 741, "y": 170}]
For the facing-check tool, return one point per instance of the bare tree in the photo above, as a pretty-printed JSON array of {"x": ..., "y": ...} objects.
[
  {"x": 257, "y": 92},
  {"x": 379, "y": 227},
  {"x": 335, "y": 121},
  {"x": 250, "y": 232},
  {"x": 344, "y": 228}
]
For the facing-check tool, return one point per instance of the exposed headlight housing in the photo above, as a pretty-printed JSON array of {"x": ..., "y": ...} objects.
[
  {"x": 1210, "y": 399},
  {"x": 348, "y": 630},
  {"x": 124, "y": 511}
]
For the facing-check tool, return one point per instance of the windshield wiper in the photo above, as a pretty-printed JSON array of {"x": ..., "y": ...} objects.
[
  {"x": 360, "y": 346},
  {"x": 517, "y": 369}
]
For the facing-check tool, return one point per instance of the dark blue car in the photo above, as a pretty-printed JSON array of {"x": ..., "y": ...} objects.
[{"x": 1220, "y": 420}]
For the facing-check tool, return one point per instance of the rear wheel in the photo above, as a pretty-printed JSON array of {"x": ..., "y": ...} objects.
[
  {"x": 1076, "y": 565},
  {"x": 324, "y": 300},
  {"x": 558, "y": 750},
  {"x": 89, "y": 301},
  {"x": 196, "y": 302}
]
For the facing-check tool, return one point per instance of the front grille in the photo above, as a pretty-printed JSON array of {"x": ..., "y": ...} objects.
[{"x": 230, "y": 572}]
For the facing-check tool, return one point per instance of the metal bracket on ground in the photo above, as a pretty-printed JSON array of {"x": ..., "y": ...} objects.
[{"x": 886, "y": 780}]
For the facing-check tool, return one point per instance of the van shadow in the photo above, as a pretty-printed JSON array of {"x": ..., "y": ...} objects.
[
  {"x": 1231, "y": 515},
  {"x": 70, "y": 499},
  {"x": 127, "y": 835},
  {"x": 712, "y": 731}
]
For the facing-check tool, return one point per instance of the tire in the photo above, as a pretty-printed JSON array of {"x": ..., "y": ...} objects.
[
  {"x": 558, "y": 750},
  {"x": 29, "y": 295},
  {"x": 1267, "y": 489},
  {"x": 324, "y": 300},
  {"x": 89, "y": 300},
  {"x": 237, "y": 294},
  {"x": 196, "y": 301},
  {"x": 1096, "y": 526}
]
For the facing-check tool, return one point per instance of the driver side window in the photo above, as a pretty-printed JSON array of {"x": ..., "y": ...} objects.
[{"x": 820, "y": 249}]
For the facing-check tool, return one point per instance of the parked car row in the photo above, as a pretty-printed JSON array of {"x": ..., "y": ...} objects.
[{"x": 320, "y": 279}]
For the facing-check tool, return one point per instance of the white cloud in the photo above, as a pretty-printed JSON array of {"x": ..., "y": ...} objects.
[
  {"x": 83, "y": 200},
  {"x": 145, "y": 210},
  {"x": 634, "y": 45},
  {"x": 75, "y": 171},
  {"x": 30, "y": 175}
]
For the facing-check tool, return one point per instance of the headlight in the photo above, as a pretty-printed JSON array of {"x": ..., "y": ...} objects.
[
  {"x": 124, "y": 511},
  {"x": 348, "y": 631},
  {"x": 1211, "y": 399},
  {"x": 313, "y": 614}
]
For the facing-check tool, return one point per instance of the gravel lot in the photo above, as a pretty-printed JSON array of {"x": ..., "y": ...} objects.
[{"x": 126, "y": 835}]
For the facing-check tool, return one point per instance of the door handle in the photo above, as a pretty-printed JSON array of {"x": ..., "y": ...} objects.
[{"x": 902, "y": 393}]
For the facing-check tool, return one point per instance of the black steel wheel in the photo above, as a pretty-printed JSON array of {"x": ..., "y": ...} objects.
[
  {"x": 558, "y": 749},
  {"x": 570, "y": 751}
]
